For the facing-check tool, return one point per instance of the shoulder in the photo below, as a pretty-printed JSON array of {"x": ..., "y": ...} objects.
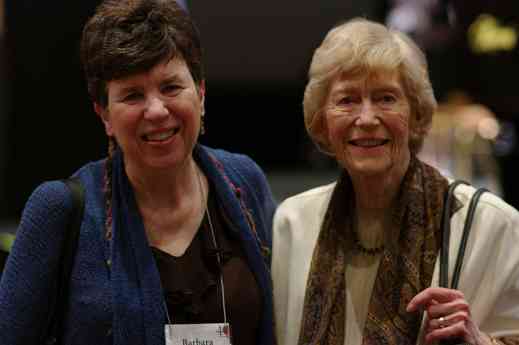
[
  {"x": 91, "y": 176},
  {"x": 52, "y": 201},
  {"x": 49, "y": 199},
  {"x": 44, "y": 217},
  {"x": 236, "y": 164},
  {"x": 91, "y": 172},
  {"x": 311, "y": 203},
  {"x": 491, "y": 211},
  {"x": 239, "y": 170},
  {"x": 312, "y": 197},
  {"x": 491, "y": 247}
]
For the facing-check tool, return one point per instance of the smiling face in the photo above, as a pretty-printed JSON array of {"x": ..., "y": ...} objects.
[
  {"x": 154, "y": 115},
  {"x": 367, "y": 118}
]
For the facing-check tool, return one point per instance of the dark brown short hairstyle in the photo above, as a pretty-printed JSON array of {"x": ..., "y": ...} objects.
[{"x": 125, "y": 37}]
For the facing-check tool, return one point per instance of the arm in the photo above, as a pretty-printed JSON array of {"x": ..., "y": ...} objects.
[
  {"x": 280, "y": 266},
  {"x": 28, "y": 282},
  {"x": 486, "y": 307},
  {"x": 448, "y": 316},
  {"x": 297, "y": 223}
]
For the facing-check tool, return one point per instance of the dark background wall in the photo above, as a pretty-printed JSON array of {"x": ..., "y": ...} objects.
[{"x": 257, "y": 55}]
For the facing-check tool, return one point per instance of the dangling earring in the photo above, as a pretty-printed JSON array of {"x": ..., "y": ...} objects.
[
  {"x": 202, "y": 122},
  {"x": 112, "y": 146}
]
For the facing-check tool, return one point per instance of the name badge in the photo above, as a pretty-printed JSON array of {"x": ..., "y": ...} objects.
[{"x": 198, "y": 334}]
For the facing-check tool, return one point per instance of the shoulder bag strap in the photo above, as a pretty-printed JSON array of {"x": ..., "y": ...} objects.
[
  {"x": 466, "y": 231},
  {"x": 446, "y": 233},
  {"x": 446, "y": 228},
  {"x": 70, "y": 243}
]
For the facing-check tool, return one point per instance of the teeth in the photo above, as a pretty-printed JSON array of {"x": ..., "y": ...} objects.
[
  {"x": 368, "y": 142},
  {"x": 161, "y": 136}
]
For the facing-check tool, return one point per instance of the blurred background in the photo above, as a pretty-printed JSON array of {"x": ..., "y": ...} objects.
[{"x": 257, "y": 54}]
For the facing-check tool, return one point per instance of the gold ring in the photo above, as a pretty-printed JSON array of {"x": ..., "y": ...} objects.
[{"x": 441, "y": 322}]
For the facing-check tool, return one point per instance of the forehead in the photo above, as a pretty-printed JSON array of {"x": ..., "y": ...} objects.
[
  {"x": 364, "y": 80},
  {"x": 175, "y": 68}
]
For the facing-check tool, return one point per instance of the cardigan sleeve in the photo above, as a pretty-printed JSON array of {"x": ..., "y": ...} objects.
[{"x": 28, "y": 282}]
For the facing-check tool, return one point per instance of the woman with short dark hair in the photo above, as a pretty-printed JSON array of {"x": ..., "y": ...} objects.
[{"x": 175, "y": 236}]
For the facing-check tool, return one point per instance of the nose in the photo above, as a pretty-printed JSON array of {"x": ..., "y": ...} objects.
[
  {"x": 368, "y": 115},
  {"x": 156, "y": 108}
]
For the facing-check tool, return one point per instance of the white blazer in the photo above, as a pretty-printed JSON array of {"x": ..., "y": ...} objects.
[{"x": 489, "y": 278}]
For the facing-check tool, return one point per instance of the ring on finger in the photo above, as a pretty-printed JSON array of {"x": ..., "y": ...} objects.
[{"x": 441, "y": 322}]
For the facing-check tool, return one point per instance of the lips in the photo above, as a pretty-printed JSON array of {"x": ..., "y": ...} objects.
[
  {"x": 368, "y": 142},
  {"x": 160, "y": 135}
]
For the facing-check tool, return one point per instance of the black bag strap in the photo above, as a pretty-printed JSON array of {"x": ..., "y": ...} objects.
[
  {"x": 446, "y": 231},
  {"x": 70, "y": 243}
]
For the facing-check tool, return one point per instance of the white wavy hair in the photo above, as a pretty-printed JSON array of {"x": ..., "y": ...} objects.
[{"x": 366, "y": 47}]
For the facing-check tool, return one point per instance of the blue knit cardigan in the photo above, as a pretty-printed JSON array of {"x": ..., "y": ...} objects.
[{"x": 27, "y": 284}]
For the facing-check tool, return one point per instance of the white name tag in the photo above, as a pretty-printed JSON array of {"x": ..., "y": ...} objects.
[{"x": 198, "y": 334}]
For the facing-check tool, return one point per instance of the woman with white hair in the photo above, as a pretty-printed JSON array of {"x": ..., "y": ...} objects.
[{"x": 356, "y": 261}]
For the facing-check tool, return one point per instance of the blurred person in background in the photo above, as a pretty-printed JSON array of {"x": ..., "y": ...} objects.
[
  {"x": 173, "y": 232},
  {"x": 356, "y": 261},
  {"x": 461, "y": 142}
]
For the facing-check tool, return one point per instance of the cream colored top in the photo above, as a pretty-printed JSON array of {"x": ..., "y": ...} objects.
[
  {"x": 489, "y": 278},
  {"x": 361, "y": 271}
]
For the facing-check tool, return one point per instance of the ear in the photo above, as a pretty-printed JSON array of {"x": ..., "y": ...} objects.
[
  {"x": 102, "y": 112},
  {"x": 419, "y": 126},
  {"x": 201, "y": 92},
  {"x": 320, "y": 127}
]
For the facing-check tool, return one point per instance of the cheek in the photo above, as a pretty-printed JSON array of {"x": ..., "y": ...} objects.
[
  {"x": 399, "y": 126},
  {"x": 401, "y": 133},
  {"x": 187, "y": 109},
  {"x": 123, "y": 123},
  {"x": 402, "y": 128},
  {"x": 337, "y": 130}
]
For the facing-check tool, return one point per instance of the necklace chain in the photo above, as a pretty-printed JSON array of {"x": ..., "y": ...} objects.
[
  {"x": 205, "y": 201},
  {"x": 360, "y": 247}
]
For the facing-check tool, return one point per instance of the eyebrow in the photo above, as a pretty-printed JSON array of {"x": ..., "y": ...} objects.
[
  {"x": 344, "y": 88},
  {"x": 127, "y": 89},
  {"x": 131, "y": 88},
  {"x": 353, "y": 87},
  {"x": 389, "y": 88},
  {"x": 171, "y": 78},
  {"x": 124, "y": 91}
]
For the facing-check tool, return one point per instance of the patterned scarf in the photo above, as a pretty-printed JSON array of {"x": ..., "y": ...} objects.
[{"x": 406, "y": 266}]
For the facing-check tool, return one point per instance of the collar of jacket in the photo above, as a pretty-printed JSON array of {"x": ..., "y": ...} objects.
[{"x": 232, "y": 194}]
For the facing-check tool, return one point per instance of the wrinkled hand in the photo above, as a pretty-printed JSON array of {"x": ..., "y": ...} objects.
[{"x": 448, "y": 316}]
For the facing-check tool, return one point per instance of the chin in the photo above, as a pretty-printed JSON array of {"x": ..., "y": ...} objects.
[
  {"x": 170, "y": 162},
  {"x": 371, "y": 167},
  {"x": 371, "y": 171}
]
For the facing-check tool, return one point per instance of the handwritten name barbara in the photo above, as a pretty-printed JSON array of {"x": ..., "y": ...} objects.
[{"x": 197, "y": 342}]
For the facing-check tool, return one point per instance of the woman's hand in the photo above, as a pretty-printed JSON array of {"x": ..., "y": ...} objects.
[{"x": 448, "y": 316}]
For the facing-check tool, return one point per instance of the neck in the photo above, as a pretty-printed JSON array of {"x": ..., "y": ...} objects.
[
  {"x": 172, "y": 205},
  {"x": 165, "y": 188},
  {"x": 376, "y": 198}
]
